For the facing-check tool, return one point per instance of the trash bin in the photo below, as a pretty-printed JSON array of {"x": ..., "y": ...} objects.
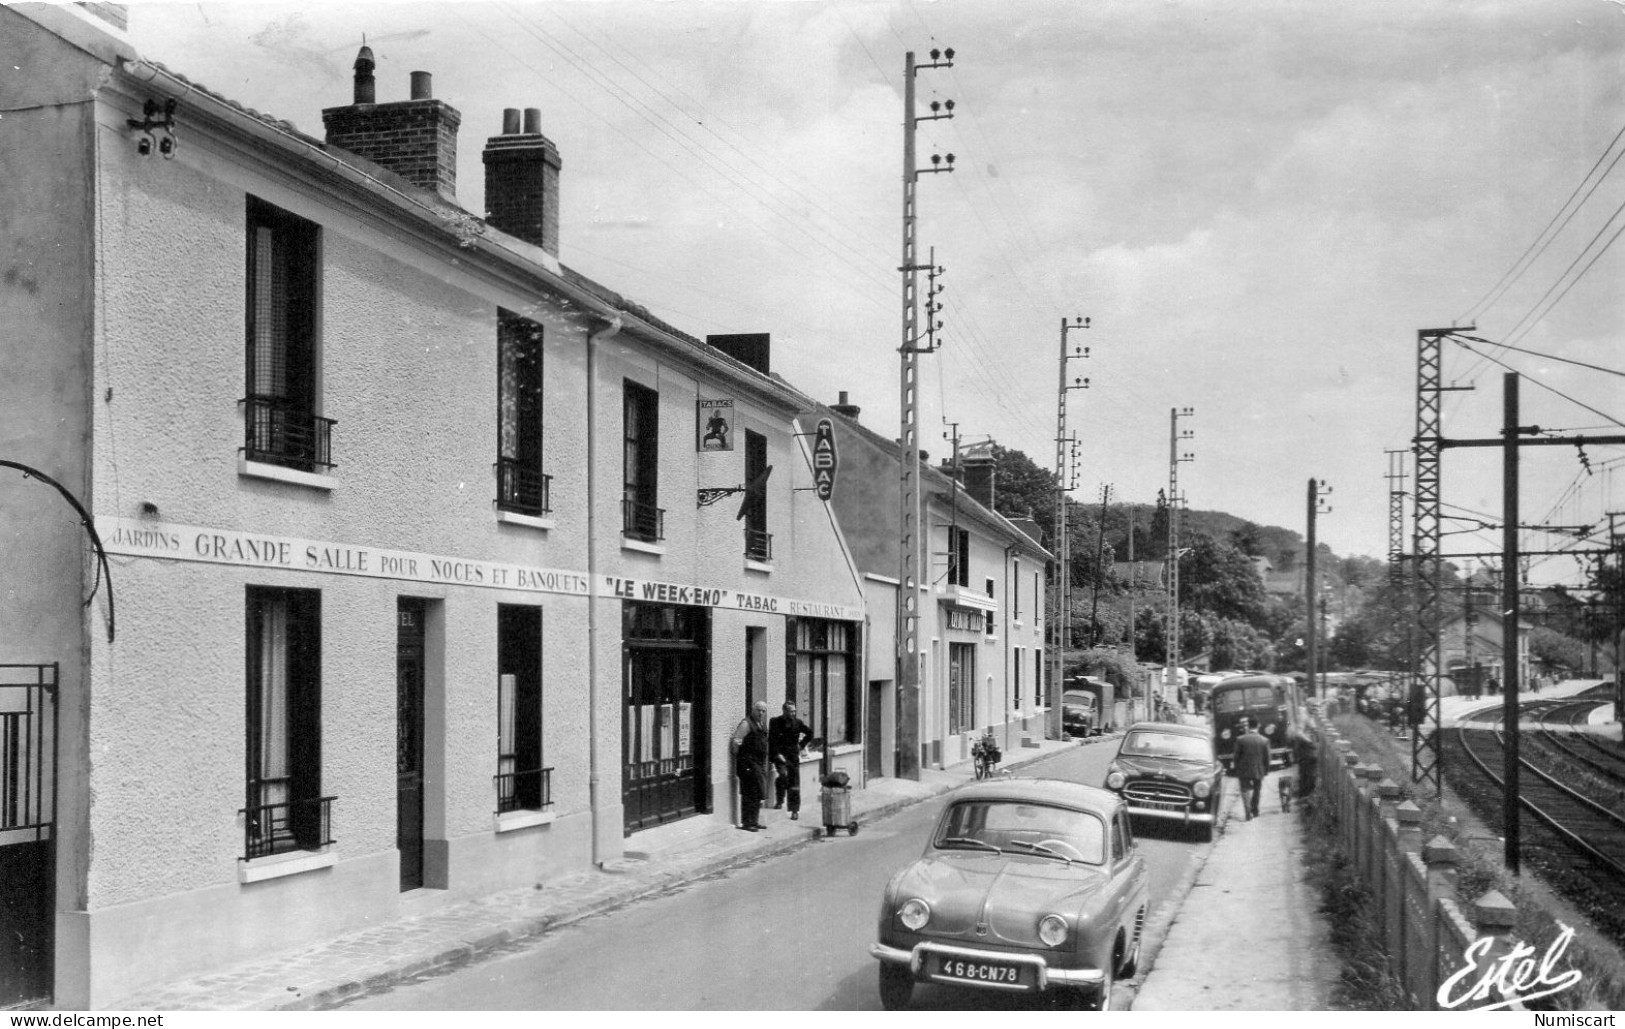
[{"x": 836, "y": 801}]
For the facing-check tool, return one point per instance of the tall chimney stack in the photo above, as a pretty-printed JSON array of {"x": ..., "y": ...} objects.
[
  {"x": 980, "y": 472},
  {"x": 522, "y": 181},
  {"x": 416, "y": 139},
  {"x": 841, "y": 407}
]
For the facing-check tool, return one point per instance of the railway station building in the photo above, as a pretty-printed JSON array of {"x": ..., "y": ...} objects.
[{"x": 361, "y": 556}]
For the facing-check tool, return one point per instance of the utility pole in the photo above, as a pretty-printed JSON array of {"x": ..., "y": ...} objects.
[
  {"x": 1059, "y": 624},
  {"x": 1311, "y": 588},
  {"x": 1510, "y": 617},
  {"x": 1401, "y": 584},
  {"x": 1100, "y": 557},
  {"x": 909, "y": 529},
  {"x": 1170, "y": 678},
  {"x": 1427, "y": 755},
  {"x": 1510, "y": 442}
]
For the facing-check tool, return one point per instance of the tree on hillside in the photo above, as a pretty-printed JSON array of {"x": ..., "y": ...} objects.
[
  {"x": 1219, "y": 579},
  {"x": 1022, "y": 489},
  {"x": 1153, "y": 546},
  {"x": 1249, "y": 539}
]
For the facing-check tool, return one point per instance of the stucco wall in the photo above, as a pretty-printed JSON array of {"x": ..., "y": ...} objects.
[{"x": 122, "y": 293}]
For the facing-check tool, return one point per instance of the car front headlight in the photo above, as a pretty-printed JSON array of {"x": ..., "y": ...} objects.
[
  {"x": 1269, "y": 730},
  {"x": 914, "y": 914},
  {"x": 1052, "y": 930},
  {"x": 1115, "y": 779},
  {"x": 1202, "y": 788},
  {"x": 1224, "y": 734}
]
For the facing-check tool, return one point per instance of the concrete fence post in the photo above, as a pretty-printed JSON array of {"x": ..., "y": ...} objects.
[
  {"x": 1388, "y": 797},
  {"x": 1409, "y": 819},
  {"x": 1496, "y": 918},
  {"x": 1441, "y": 858}
]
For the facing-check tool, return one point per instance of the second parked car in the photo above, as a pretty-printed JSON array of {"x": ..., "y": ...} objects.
[{"x": 1169, "y": 771}]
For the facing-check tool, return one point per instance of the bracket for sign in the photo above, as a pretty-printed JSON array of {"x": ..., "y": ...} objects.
[{"x": 707, "y": 497}]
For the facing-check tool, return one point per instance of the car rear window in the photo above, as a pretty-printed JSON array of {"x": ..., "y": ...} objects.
[
  {"x": 1167, "y": 744},
  {"x": 1008, "y": 825}
]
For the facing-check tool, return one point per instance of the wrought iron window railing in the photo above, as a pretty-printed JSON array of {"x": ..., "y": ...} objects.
[
  {"x": 294, "y": 825},
  {"x": 523, "y": 489},
  {"x": 278, "y": 431},
  {"x": 758, "y": 545},
  {"x": 524, "y": 791},
  {"x": 642, "y": 521}
]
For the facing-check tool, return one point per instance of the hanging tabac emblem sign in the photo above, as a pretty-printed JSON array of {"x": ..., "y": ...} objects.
[
  {"x": 824, "y": 459},
  {"x": 716, "y": 425}
]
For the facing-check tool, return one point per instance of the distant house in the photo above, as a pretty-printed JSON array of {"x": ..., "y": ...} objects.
[{"x": 1467, "y": 644}]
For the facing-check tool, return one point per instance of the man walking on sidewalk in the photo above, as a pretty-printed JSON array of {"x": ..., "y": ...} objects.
[
  {"x": 1252, "y": 764},
  {"x": 786, "y": 735}
]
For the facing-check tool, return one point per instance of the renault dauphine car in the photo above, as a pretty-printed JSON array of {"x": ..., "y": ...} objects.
[
  {"x": 1168, "y": 771},
  {"x": 1026, "y": 886}
]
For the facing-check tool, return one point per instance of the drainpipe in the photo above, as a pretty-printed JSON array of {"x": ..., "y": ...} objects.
[
  {"x": 612, "y": 328},
  {"x": 1009, "y": 651}
]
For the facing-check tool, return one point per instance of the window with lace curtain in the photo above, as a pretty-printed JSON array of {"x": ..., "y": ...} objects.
[
  {"x": 281, "y": 406},
  {"x": 284, "y": 808},
  {"x": 522, "y": 783},
  {"x": 521, "y": 485}
]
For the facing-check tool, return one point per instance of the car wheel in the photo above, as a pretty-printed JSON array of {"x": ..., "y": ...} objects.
[
  {"x": 1207, "y": 833},
  {"x": 896, "y": 986}
]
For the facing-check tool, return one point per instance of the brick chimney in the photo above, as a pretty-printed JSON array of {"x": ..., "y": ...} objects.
[
  {"x": 522, "y": 181},
  {"x": 980, "y": 471},
  {"x": 416, "y": 139},
  {"x": 752, "y": 348}
]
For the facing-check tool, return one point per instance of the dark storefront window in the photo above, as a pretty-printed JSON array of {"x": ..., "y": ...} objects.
[
  {"x": 666, "y": 713},
  {"x": 961, "y": 687},
  {"x": 823, "y": 656}
]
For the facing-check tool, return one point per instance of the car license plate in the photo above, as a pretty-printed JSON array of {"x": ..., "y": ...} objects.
[
  {"x": 1158, "y": 805},
  {"x": 980, "y": 972}
]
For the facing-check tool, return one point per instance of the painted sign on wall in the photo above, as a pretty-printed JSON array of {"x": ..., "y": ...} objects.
[{"x": 716, "y": 424}]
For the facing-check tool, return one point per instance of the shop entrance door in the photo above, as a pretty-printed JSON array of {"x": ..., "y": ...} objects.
[
  {"x": 409, "y": 740},
  {"x": 665, "y": 719},
  {"x": 27, "y": 833}
]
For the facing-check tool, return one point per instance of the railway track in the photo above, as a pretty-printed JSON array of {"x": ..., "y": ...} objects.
[
  {"x": 1583, "y": 825},
  {"x": 1576, "y": 844},
  {"x": 1602, "y": 756}
]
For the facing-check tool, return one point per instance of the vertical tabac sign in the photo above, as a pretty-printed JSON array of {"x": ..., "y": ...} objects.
[{"x": 824, "y": 461}]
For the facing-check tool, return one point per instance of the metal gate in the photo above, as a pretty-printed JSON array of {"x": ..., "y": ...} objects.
[{"x": 27, "y": 831}]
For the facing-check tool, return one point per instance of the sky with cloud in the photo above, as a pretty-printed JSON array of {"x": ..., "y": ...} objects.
[{"x": 1256, "y": 203}]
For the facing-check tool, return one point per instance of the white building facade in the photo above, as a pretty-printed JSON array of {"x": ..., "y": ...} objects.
[
  {"x": 419, "y": 573},
  {"x": 982, "y": 613}
]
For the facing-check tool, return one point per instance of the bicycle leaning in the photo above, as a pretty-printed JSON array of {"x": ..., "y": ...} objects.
[{"x": 985, "y": 755}]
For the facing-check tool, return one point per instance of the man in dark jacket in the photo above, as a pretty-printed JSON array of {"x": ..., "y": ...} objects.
[
  {"x": 786, "y": 735},
  {"x": 749, "y": 746},
  {"x": 1252, "y": 758}
]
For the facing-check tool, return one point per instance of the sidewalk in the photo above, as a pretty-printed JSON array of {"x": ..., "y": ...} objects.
[
  {"x": 1250, "y": 922},
  {"x": 1249, "y": 935},
  {"x": 658, "y": 859}
]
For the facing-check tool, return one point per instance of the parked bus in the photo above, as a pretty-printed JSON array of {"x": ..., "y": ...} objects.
[{"x": 1272, "y": 703}]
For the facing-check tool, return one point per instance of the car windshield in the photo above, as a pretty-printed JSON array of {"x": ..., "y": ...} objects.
[
  {"x": 1077, "y": 699},
  {"x": 1167, "y": 744},
  {"x": 1019, "y": 827}
]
